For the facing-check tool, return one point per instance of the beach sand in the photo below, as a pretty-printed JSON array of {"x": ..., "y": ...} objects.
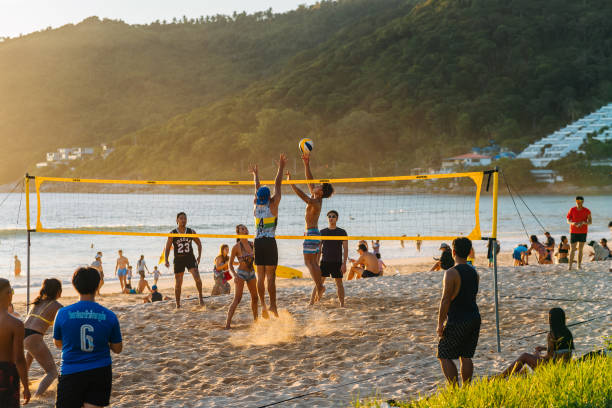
[{"x": 384, "y": 341}]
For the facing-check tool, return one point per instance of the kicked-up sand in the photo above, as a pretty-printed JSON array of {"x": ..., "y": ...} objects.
[{"x": 383, "y": 343}]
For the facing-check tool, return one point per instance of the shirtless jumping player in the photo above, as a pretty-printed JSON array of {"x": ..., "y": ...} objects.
[
  {"x": 12, "y": 357},
  {"x": 313, "y": 210}
]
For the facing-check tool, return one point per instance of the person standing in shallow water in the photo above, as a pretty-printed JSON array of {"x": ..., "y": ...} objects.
[{"x": 458, "y": 316}]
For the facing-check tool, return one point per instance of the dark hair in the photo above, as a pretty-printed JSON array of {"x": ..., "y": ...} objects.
[
  {"x": 580, "y": 198},
  {"x": 533, "y": 238},
  {"x": 547, "y": 233},
  {"x": 328, "y": 190},
  {"x": 179, "y": 214},
  {"x": 86, "y": 280},
  {"x": 377, "y": 255},
  {"x": 336, "y": 212},
  {"x": 558, "y": 329},
  {"x": 563, "y": 238},
  {"x": 363, "y": 247},
  {"x": 4, "y": 283},
  {"x": 237, "y": 239},
  {"x": 446, "y": 260},
  {"x": 605, "y": 241},
  {"x": 50, "y": 290},
  {"x": 462, "y": 247},
  {"x": 609, "y": 226}
]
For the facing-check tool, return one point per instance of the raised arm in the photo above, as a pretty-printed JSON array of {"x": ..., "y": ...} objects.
[
  {"x": 255, "y": 172},
  {"x": 276, "y": 194},
  {"x": 297, "y": 191},
  {"x": 307, "y": 172}
]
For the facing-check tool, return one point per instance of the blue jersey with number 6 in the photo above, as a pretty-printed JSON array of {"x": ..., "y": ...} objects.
[{"x": 85, "y": 329}]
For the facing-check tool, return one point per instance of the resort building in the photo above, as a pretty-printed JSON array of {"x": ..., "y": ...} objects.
[
  {"x": 569, "y": 139},
  {"x": 466, "y": 160}
]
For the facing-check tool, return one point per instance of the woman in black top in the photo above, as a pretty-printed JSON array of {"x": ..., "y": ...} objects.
[
  {"x": 560, "y": 345},
  {"x": 563, "y": 250}
]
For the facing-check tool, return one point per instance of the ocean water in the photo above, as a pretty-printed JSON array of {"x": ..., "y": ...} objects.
[{"x": 57, "y": 255}]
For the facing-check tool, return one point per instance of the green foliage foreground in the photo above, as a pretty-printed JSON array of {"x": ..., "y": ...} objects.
[{"x": 584, "y": 384}]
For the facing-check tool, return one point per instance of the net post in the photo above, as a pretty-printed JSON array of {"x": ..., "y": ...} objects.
[
  {"x": 27, "y": 199},
  {"x": 493, "y": 242}
]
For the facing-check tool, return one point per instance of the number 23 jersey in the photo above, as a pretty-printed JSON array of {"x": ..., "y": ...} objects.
[
  {"x": 182, "y": 245},
  {"x": 85, "y": 329}
]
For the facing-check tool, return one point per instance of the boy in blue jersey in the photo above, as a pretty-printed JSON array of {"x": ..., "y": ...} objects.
[{"x": 86, "y": 332}]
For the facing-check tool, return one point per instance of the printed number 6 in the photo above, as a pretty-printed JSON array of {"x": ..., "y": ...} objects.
[{"x": 87, "y": 342}]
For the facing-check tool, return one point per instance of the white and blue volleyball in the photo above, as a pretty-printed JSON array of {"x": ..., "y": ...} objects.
[{"x": 306, "y": 145}]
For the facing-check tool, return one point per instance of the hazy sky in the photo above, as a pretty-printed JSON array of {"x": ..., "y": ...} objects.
[{"x": 25, "y": 16}]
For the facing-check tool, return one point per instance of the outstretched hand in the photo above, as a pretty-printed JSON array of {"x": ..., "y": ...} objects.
[
  {"x": 288, "y": 174},
  {"x": 253, "y": 169},
  {"x": 306, "y": 159},
  {"x": 282, "y": 160}
]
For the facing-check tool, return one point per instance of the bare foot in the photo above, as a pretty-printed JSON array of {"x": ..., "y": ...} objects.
[
  {"x": 178, "y": 306},
  {"x": 201, "y": 302},
  {"x": 274, "y": 312},
  {"x": 227, "y": 327},
  {"x": 264, "y": 314},
  {"x": 320, "y": 293}
]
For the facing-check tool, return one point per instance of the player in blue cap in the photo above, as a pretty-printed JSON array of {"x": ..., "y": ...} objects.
[{"x": 266, "y": 251}]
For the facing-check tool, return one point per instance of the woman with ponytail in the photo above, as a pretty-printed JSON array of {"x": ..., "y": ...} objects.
[
  {"x": 560, "y": 345},
  {"x": 41, "y": 317}
]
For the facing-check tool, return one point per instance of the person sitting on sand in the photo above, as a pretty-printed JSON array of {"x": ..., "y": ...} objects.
[
  {"x": 604, "y": 243},
  {"x": 366, "y": 266},
  {"x": 599, "y": 253},
  {"x": 458, "y": 315},
  {"x": 437, "y": 266},
  {"x": 381, "y": 264},
  {"x": 86, "y": 333},
  {"x": 41, "y": 317},
  {"x": 519, "y": 255},
  {"x": 128, "y": 290},
  {"x": 563, "y": 251},
  {"x": 560, "y": 344},
  {"x": 142, "y": 285},
  {"x": 244, "y": 252},
  {"x": 155, "y": 296},
  {"x": 542, "y": 254},
  {"x": 12, "y": 360},
  {"x": 221, "y": 271}
]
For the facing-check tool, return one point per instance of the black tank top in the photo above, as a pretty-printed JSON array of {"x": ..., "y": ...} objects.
[
  {"x": 464, "y": 307},
  {"x": 182, "y": 245}
]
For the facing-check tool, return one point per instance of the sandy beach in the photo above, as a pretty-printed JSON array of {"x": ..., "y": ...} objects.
[{"x": 383, "y": 342}]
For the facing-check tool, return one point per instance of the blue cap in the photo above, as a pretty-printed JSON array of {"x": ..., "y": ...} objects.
[
  {"x": 263, "y": 195},
  {"x": 154, "y": 287}
]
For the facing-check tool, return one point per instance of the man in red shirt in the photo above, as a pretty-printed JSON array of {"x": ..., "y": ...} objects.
[{"x": 578, "y": 218}]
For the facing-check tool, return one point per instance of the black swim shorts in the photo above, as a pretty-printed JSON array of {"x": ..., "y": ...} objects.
[
  {"x": 182, "y": 262},
  {"x": 459, "y": 339},
  {"x": 333, "y": 269},
  {"x": 577, "y": 237},
  {"x": 91, "y": 386},
  {"x": 266, "y": 251},
  {"x": 369, "y": 274},
  {"x": 9, "y": 385}
]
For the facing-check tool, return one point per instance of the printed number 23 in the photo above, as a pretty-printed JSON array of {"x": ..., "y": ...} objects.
[{"x": 87, "y": 342}]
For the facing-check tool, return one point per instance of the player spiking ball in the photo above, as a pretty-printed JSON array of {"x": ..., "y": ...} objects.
[{"x": 311, "y": 247}]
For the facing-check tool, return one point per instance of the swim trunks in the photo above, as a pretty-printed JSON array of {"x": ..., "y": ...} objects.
[
  {"x": 122, "y": 272},
  {"x": 91, "y": 386},
  {"x": 246, "y": 275},
  {"x": 333, "y": 269},
  {"x": 369, "y": 274},
  {"x": 563, "y": 260},
  {"x": 184, "y": 262},
  {"x": 459, "y": 339},
  {"x": 9, "y": 385},
  {"x": 312, "y": 246},
  {"x": 577, "y": 237},
  {"x": 266, "y": 251}
]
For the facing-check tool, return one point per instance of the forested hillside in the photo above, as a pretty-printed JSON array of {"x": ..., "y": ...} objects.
[{"x": 383, "y": 85}]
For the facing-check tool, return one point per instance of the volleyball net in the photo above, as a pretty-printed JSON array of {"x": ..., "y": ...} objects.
[{"x": 416, "y": 207}]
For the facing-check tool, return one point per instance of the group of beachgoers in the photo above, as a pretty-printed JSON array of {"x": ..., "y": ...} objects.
[{"x": 579, "y": 218}]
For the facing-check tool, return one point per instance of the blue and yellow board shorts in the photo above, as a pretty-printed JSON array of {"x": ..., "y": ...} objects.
[{"x": 312, "y": 246}]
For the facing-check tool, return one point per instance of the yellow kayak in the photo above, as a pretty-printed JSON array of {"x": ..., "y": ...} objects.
[{"x": 289, "y": 273}]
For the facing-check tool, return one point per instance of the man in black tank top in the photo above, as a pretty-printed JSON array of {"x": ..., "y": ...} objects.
[
  {"x": 184, "y": 257},
  {"x": 458, "y": 309}
]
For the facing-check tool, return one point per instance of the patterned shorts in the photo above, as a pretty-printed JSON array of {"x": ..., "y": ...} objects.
[
  {"x": 459, "y": 339},
  {"x": 311, "y": 246}
]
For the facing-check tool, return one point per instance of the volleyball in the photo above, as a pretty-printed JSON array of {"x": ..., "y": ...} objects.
[{"x": 306, "y": 145}]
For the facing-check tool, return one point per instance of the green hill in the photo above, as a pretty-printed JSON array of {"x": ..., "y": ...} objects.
[{"x": 386, "y": 85}]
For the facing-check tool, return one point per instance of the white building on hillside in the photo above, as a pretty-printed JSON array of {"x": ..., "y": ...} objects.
[
  {"x": 466, "y": 160},
  {"x": 569, "y": 139}
]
